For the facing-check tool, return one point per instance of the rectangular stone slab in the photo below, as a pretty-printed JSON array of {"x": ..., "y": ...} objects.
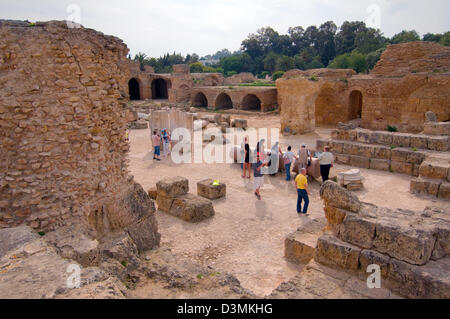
[{"x": 207, "y": 190}]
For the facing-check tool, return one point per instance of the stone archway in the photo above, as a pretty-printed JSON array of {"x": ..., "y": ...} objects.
[
  {"x": 251, "y": 103},
  {"x": 355, "y": 105},
  {"x": 159, "y": 89},
  {"x": 134, "y": 89},
  {"x": 200, "y": 100},
  {"x": 223, "y": 102}
]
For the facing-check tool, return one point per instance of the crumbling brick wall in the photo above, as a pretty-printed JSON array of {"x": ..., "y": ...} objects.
[{"x": 63, "y": 100}]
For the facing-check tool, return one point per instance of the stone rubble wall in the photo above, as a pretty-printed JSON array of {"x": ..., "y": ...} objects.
[
  {"x": 63, "y": 117},
  {"x": 412, "y": 248}
]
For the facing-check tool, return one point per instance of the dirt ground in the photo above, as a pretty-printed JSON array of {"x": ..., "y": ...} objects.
[{"x": 246, "y": 236}]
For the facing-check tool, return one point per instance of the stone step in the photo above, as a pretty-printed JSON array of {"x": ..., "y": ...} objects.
[
  {"x": 431, "y": 280},
  {"x": 429, "y": 186},
  {"x": 300, "y": 245},
  {"x": 417, "y": 141}
]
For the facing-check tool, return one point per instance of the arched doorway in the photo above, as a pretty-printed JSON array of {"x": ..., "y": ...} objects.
[
  {"x": 355, "y": 105},
  {"x": 200, "y": 100},
  {"x": 134, "y": 89},
  {"x": 159, "y": 89},
  {"x": 251, "y": 102},
  {"x": 224, "y": 102}
]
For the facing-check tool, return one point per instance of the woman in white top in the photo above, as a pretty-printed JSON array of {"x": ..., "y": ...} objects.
[{"x": 326, "y": 162}]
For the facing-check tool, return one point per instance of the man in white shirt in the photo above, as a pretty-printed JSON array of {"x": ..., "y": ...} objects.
[{"x": 326, "y": 162}]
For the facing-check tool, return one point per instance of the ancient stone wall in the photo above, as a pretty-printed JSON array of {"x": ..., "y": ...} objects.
[
  {"x": 63, "y": 97},
  {"x": 413, "y": 57},
  {"x": 410, "y": 247},
  {"x": 244, "y": 77}
]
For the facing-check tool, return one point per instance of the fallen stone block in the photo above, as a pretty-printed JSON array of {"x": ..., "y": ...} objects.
[
  {"x": 192, "y": 208},
  {"x": 145, "y": 234},
  {"x": 205, "y": 188},
  {"x": 172, "y": 187},
  {"x": 164, "y": 203},
  {"x": 354, "y": 186},
  {"x": 335, "y": 217}
]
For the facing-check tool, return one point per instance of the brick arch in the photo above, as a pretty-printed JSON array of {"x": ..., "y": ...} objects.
[
  {"x": 251, "y": 102},
  {"x": 135, "y": 88},
  {"x": 223, "y": 101},
  {"x": 160, "y": 88},
  {"x": 199, "y": 99}
]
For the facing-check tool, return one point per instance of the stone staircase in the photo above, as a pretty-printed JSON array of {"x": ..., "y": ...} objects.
[{"x": 425, "y": 157}]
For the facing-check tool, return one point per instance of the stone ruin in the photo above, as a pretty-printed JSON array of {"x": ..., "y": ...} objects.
[
  {"x": 63, "y": 166},
  {"x": 409, "y": 80},
  {"x": 412, "y": 248},
  {"x": 172, "y": 197}
]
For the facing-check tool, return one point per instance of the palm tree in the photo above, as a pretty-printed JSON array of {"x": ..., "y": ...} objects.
[{"x": 141, "y": 57}]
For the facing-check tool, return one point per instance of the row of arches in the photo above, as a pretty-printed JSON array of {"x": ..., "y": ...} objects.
[
  {"x": 159, "y": 89},
  {"x": 223, "y": 102}
]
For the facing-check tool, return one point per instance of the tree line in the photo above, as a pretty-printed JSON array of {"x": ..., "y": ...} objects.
[{"x": 353, "y": 45}]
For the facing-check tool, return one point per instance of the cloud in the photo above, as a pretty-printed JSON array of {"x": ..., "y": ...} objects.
[{"x": 205, "y": 26}]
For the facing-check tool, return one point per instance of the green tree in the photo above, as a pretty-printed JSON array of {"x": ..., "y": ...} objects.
[
  {"x": 432, "y": 37},
  {"x": 369, "y": 41},
  {"x": 196, "y": 67},
  {"x": 141, "y": 57},
  {"x": 285, "y": 63},
  {"x": 270, "y": 62},
  {"x": 445, "y": 39},
  {"x": 405, "y": 36},
  {"x": 277, "y": 75},
  {"x": 345, "y": 38}
]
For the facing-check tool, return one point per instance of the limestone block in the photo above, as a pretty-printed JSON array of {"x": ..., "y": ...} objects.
[
  {"x": 164, "y": 203},
  {"x": 359, "y": 161},
  {"x": 335, "y": 216},
  {"x": 357, "y": 230},
  {"x": 401, "y": 139},
  {"x": 333, "y": 252},
  {"x": 444, "y": 190},
  {"x": 336, "y": 147},
  {"x": 384, "y": 138},
  {"x": 425, "y": 186},
  {"x": 192, "y": 208},
  {"x": 430, "y": 117},
  {"x": 299, "y": 246},
  {"x": 400, "y": 154},
  {"x": 371, "y": 257},
  {"x": 336, "y": 196},
  {"x": 381, "y": 152},
  {"x": 439, "y": 143},
  {"x": 416, "y": 157},
  {"x": 380, "y": 164},
  {"x": 239, "y": 123},
  {"x": 363, "y": 136},
  {"x": 402, "y": 167},
  {"x": 205, "y": 188},
  {"x": 439, "y": 128},
  {"x": 171, "y": 187},
  {"x": 145, "y": 234},
  {"x": 436, "y": 170},
  {"x": 354, "y": 186},
  {"x": 442, "y": 245},
  {"x": 419, "y": 141},
  {"x": 403, "y": 242}
]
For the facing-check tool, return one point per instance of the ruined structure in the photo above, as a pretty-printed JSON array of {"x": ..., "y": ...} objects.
[
  {"x": 63, "y": 116},
  {"x": 409, "y": 80},
  {"x": 208, "y": 90}
]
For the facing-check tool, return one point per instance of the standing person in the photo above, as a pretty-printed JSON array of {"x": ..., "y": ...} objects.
[
  {"x": 288, "y": 160},
  {"x": 246, "y": 159},
  {"x": 259, "y": 176},
  {"x": 156, "y": 141},
  {"x": 260, "y": 150},
  {"x": 242, "y": 151},
  {"x": 326, "y": 162},
  {"x": 166, "y": 142},
  {"x": 304, "y": 156},
  {"x": 301, "y": 183}
]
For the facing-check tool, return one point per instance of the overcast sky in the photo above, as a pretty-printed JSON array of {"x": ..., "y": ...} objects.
[{"x": 206, "y": 26}]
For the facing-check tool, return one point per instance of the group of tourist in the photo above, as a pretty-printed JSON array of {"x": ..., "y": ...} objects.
[
  {"x": 159, "y": 139},
  {"x": 303, "y": 159}
]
